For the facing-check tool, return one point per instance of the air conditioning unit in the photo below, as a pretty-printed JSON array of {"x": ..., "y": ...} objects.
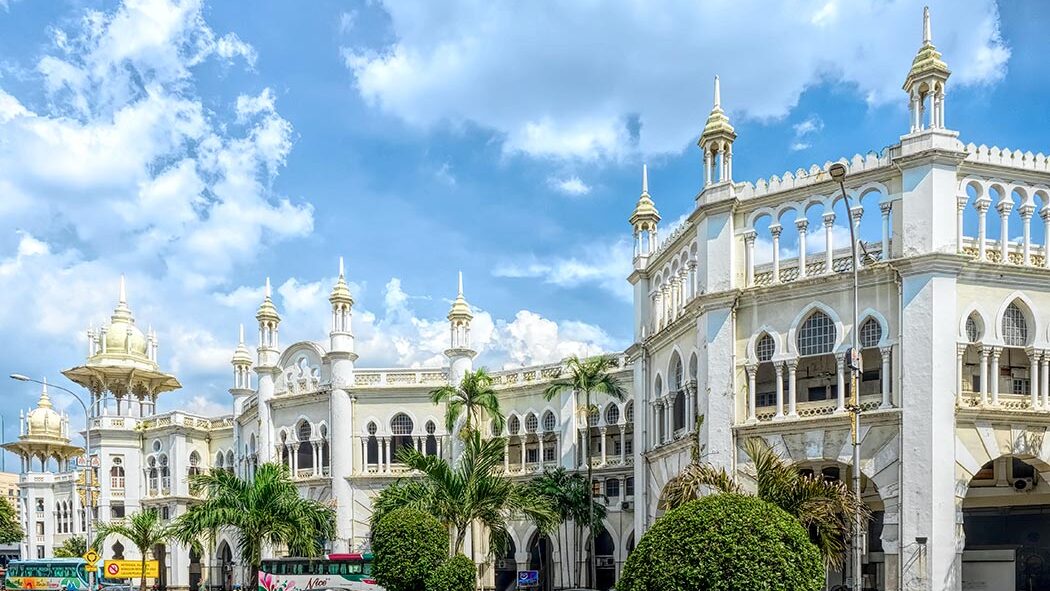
[
  {"x": 605, "y": 562},
  {"x": 1024, "y": 484},
  {"x": 627, "y": 505}
]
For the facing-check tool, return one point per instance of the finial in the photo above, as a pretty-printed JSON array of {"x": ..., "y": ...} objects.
[
  {"x": 461, "y": 283},
  {"x": 645, "y": 179},
  {"x": 266, "y": 294},
  {"x": 340, "y": 267},
  {"x": 242, "y": 334},
  {"x": 123, "y": 290},
  {"x": 45, "y": 400},
  {"x": 718, "y": 93},
  {"x": 927, "y": 36}
]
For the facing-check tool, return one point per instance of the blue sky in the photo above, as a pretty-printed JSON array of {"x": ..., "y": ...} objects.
[{"x": 200, "y": 148}]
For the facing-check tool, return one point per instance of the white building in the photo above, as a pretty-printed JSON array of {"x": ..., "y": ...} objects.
[{"x": 744, "y": 313}]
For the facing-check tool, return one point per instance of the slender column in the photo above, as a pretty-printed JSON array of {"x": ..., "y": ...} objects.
[
  {"x": 1026, "y": 211},
  {"x": 829, "y": 245},
  {"x": 749, "y": 255},
  {"x": 605, "y": 457},
  {"x": 914, "y": 112},
  {"x": 985, "y": 352},
  {"x": 802, "y": 224},
  {"x": 996, "y": 352},
  {"x": 1044, "y": 379},
  {"x": 887, "y": 357},
  {"x": 657, "y": 316},
  {"x": 940, "y": 109},
  {"x": 981, "y": 205},
  {"x": 792, "y": 365},
  {"x": 779, "y": 369},
  {"x": 775, "y": 230},
  {"x": 293, "y": 457},
  {"x": 692, "y": 278},
  {"x": 623, "y": 444},
  {"x": 690, "y": 406},
  {"x": 387, "y": 447},
  {"x": 668, "y": 418},
  {"x": 729, "y": 162},
  {"x": 1033, "y": 376},
  {"x": 751, "y": 371},
  {"x": 364, "y": 453},
  {"x": 960, "y": 202},
  {"x": 855, "y": 213},
  {"x": 960, "y": 352},
  {"x": 506, "y": 455},
  {"x": 840, "y": 381},
  {"x": 317, "y": 458},
  {"x": 1045, "y": 214},
  {"x": 522, "y": 454},
  {"x": 885, "y": 208},
  {"x": 1004, "y": 207},
  {"x": 707, "y": 165}
]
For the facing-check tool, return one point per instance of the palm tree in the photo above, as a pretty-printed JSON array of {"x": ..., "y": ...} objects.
[
  {"x": 570, "y": 494},
  {"x": 471, "y": 491},
  {"x": 588, "y": 376},
  {"x": 144, "y": 529},
  {"x": 264, "y": 510},
  {"x": 826, "y": 508},
  {"x": 473, "y": 397}
]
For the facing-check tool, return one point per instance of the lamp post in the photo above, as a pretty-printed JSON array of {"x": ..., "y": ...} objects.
[
  {"x": 838, "y": 173},
  {"x": 89, "y": 511}
]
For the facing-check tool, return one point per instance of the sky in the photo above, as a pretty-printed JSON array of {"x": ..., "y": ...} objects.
[{"x": 200, "y": 147}]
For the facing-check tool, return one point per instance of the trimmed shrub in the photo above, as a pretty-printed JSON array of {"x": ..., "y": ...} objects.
[
  {"x": 407, "y": 545},
  {"x": 724, "y": 542},
  {"x": 455, "y": 574}
]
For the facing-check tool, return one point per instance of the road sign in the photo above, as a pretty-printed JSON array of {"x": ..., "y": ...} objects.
[
  {"x": 131, "y": 569},
  {"x": 528, "y": 578},
  {"x": 91, "y": 557}
]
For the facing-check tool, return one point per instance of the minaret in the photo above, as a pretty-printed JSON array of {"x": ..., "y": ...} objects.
[
  {"x": 716, "y": 142},
  {"x": 266, "y": 367},
  {"x": 644, "y": 221},
  {"x": 241, "y": 390},
  {"x": 926, "y": 79},
  {"x": 341, "y": 358},
  {"x": 460, "y": 355}
]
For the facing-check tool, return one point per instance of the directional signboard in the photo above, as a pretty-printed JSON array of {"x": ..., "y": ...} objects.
[
  {"x": 91, "y": 557},
  {"x": 131, "y": 569}
]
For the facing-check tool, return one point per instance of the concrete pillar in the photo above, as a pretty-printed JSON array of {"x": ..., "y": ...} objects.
[
  {"x": 802, "y": 224},
  {"x": 751, "y": 370},
  {"x": 840, "y": 381},
  {"x": 887, "y": 380},
  {"x": 792, "y": 365},
  {"x": 829, "y": 242},
  {"x": 778, "y": 367},
  {"x": 996, "y": 352}
]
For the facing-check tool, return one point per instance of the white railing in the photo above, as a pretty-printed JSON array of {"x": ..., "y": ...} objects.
[
  {"x": 400, "y": 377},
  {"x": 820, "y": 408},
  {"x": 1007, "y": 157}
]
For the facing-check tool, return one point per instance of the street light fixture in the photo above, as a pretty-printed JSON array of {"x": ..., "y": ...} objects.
[
  {"x": 838, "y": 174},
  {"x": 89, "y": 511}
]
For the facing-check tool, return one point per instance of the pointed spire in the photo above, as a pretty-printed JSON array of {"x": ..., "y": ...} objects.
[
  {"x": 718, "y": 93},
  {"x": 266, "y": 293},
  {"x": 645, "y": 179},
  {"x": 45, "y": 400},
  {"x": 341, "y": 291},
  {"x": 341, "y": 270},
  {"x": 123, "y": 299},
  {"x": 460, "y": 308},
  {"x": 460, "y": 283},
  {"x": 241, "y": 341},
  {"x": 241, "y": 355},
  {"x": 267, "y": 311},
  {"x": 927, "y": 36}
]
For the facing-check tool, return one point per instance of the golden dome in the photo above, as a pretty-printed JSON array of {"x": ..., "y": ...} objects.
[
  {"x": 645, "y": 210},
  {"x": 267, "y": 311},
  {"x": 122, "y": 336},
  {"x": 44, "y": 421},
  {"x": 341, "y": 291},
  {"x": 241, "y": 355},
  {"x": 460, "y": 308}
]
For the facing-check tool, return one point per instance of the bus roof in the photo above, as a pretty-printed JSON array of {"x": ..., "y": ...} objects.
[{"x": 351, "y": 556}]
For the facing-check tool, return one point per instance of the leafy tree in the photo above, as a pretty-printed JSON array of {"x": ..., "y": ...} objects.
[
  {"x": 570, "y": 495},
  {"x": 588, "y": 376},
  {"x": 144, "y": 529},
  {"x": 473, "y": 397},
  {"x": 455, "y": 574},
  {"x": 407, "y": 545},
  {"x": 724, "y": 542},
  {"x": 469, "y": 491},
  {"x": 264, "y": 510},
  {"x": 10, "y": 529},
  {"x": 73, "y": 547},
  {"x": 825, "y": 508}
]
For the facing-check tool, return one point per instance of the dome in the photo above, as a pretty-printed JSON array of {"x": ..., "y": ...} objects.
[
  {"x": 124, "y": 337},
  {"x": 44, "y": 421}
]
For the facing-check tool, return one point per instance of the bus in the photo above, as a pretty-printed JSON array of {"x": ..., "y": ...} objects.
[
  {"x": 351, "y": 572},
  {"x": 57, "y": 574}
]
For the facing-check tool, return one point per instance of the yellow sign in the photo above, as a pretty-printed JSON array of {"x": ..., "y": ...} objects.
[
  {"x": 131, "y": 569},
  {"x": 91, "y": 557}
]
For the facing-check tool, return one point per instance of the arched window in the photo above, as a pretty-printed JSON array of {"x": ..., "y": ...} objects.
[
  {"x": 531, "y": 423},
  {"x": 973, "y": 331},
  {"x": 432, "y": 443},
  {"x": 629, "y": 411},
  {"x": 195, "y": 461},
  {"x": 612, "y": 414},
  {"x": 677, "y": 374},
  {"x": 496, "y": 429},
  {"x": 593, "y": 417},
  {"x": 549, "y": 422},
  {"x": 693, "y": 367},
  {"x": 286, "y": 457},
  {"x": 220, "y": 461},
  {"x": 373, "y": 444},
  {"x": 229, "y": 461},
  {"x": 765, "y": 348},
  {"x": 165, "y": 475},
  {"x": 153, "y": 475},
  {"x": 325, "y": 450},
  {"x": 612, "y": 488},
  {"x": 513, "y": 425},
  {"x": 870, "y": 333},
  {"x": 401, "y": 427},
  {"x": 304, "y": 455},
  {"x": 1015, "y": 327},
  {"x": 679, "y": 411},
  {"x": 658, "y": 387},
  {"x": 816, "y": 336},
  {"x": 116, "y": 474}
]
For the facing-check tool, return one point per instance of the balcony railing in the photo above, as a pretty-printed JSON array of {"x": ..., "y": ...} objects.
[
  {"x": 819, "y": 408},
  {"x": 1006, "y": 402}
]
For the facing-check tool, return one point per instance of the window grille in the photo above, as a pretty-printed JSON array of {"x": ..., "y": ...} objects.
[
  {"x": 549, "y": 422},
  {"x": 592, "y": 417},
  {"x": 304, "y": 431},
  {"x": 765, "y": 348},
  {"x": 431, "y": 427},
  {"x": 612, "y": 488},
  {"x": 972, "y": 331},
  {"x": 817, "y": 335},
  {"x": 514, "y": 425},
  {"x": 870, "y": 333},
  {"x": 1022, "y": 386},
  {"x": 678, "y": 373},
  {"x": 1015, "y": 328},
  {"x": 531, "y": 423},
  {"x": 629, "y": 412},
  {"x": 116, "y": 474},
  {"x": 496, "y": 429},
  {"x": 548, "y": 454},
  {"x": 612, "y": 414},
  {"x": 628, "y": 486},
  {"x": 401, "y": 424},
  {"x": 372, "y": 428}
]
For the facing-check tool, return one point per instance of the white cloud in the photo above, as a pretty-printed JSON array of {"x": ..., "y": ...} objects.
[
  {"x": 605, "y": 265},
  {"x": 808, "y": 127},
  {"x": 444, "y": 174},
  {"x": 346, "y": 21},
  {"x": 548, "y": 84},
  {"x": 570, "y": 186}
]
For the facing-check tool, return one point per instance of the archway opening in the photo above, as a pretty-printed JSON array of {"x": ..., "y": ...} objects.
[
  {"x": 540, "y": 559},
  {"x": 195, "y": 570},
  {"x": 507, "y": 568},
  {"x": 222, "y": 571}
]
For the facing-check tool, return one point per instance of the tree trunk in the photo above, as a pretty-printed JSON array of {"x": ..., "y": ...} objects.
[{"x": 142, "y": 582}]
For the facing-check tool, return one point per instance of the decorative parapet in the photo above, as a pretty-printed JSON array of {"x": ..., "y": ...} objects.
[
  {"x": 400, "y": 377},
  {"x": 543, "y": 373},
  {"x": 1006, "y": 157},
  {"x": 815, "y": 174},
  {"x": 666, "y": 243},
  {"x": 179, "y": 419}
]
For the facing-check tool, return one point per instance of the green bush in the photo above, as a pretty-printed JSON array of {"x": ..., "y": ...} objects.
[
  {"x": 724, "y": 543},
  {"x": 455, "y": 574},
  {"x": 408, "y": 545}
]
